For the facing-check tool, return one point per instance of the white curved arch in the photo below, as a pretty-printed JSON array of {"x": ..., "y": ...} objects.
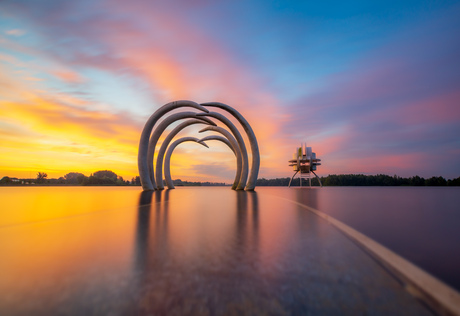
[
  {"x": 237, "y": 150},
  {"x": 239, "y": 139},
  {"x": 252, "y": 140},
  {"x": 149, "y": 139},
  {"x": 164, "y": 146},
  {"x": 159, "y": 130},
  {"x": 219, "y": 138},
  {"x": 145, "y": 136},
  {"x": 167, "y": 163}
]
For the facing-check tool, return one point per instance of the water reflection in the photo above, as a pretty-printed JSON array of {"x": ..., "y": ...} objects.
[
  {"x": 307, "y": 196},
  {"x": 153, "y": 230},
  {"x": 185, "y": 251},
  {"x": 247, "y": 224},
  {"x": 79, "y": 253},
  {"x": 147, "y": 237},
  {"x": 184, "y": 246}
]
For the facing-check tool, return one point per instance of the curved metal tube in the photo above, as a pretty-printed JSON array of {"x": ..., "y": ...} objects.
[
  {"x": 159, "y": 130},
  {"x": 219, "y": 138},
  {"x": 252, "y": 140},
  {"x": 164, "y": 146},
  {"x": 142, "y": 163},
  {"x": 226, "y": 142},
  {"x": 168, "y": 157},
  {"x": 239, "y": 139},
  {"x": 236, "y": 150}
]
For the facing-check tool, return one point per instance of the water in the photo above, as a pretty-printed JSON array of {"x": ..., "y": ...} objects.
[
  {"x": 419, "y": 223},
  {"x": 115, "y": 250}
]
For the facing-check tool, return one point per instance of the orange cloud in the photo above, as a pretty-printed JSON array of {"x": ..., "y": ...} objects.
[
  {"x": 68, "y": 76},
  {"x": 178, "y": 63},
  {"x": 211, "y": 75},
  {"x": 40, "y": 133}
]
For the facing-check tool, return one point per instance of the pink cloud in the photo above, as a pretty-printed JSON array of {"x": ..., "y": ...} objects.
[
  {"x": 15, "y": 32},
  {"x": 68, "y": 76},
  {"x": 438, "y": 109}
]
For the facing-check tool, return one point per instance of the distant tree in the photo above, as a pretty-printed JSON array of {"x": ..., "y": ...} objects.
[
  {"x": 6, "y": 180},
  {"x": 41, "y": 177},
  {"x": 101, "y": 174},
  {"x": 436, "y": 181},
  {"x": 74, "y": 178},
  {"x": 92, "y": 180},
  {"x": 120, "y": 181},
  {"x": 81, "y": 179},
  {"x": 103, "y": 177},
  {"x": 137, "y": 180},
  {"x": 417, "y": 181},
  {"x": 454, "y": 182}
]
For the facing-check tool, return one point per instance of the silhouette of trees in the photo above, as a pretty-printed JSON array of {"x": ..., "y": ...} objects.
[
  {"x": 417, "y": 181},
  {"x": 436, "y": 181},
  {"x": 285, "y": 182},
  {"x": 363, "y": 180},
  {"x": 136, "y": 180},
  {"x": 107, "y": 177},
  {"x": 41, "y": 177},
  {"x": 454, "y": 182},
  {"x": 180, "y": 183},
  {"x": 74, "y": 178},
  {"x": 6, "y": 180},
  {"x": 101, "y": 174},
  {"x": 104, "y": 177}
]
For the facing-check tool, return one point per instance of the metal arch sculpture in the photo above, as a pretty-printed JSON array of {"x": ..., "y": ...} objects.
[
  {"x": 160, "y": 129},
  {"x": 142, "y": 163},
  {"x": 218, "y": 138},
  {"x": 252, "y": 141},
  {"x": 169, "y": 153},
  {"x": 239, "y": 139},
  {"x": 151, "y": 177},
  {"x": 164, "y": 147},
  {"x": 167, "y": 164}
]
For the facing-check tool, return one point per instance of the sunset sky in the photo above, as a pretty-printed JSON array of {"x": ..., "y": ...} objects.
[{"x": 372, "y": 86}]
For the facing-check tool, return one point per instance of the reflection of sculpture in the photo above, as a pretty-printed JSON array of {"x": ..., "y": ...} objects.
[
  {"x": 151, "y": 176},
  {"x": 304, "y": 161}
]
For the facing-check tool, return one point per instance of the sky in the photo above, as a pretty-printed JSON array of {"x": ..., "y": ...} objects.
[{"x": 372, "y": 86}]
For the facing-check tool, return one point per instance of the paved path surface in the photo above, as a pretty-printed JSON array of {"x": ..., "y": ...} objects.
[{"x": 203, "y": 251}]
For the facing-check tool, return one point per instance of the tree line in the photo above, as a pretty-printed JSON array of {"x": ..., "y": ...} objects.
[
  {"x": 363, "y": 180},
  {"x": 180, "y": 183},
  {"x": 107, "y": 177},
  {"x": 101, "y": 177}
]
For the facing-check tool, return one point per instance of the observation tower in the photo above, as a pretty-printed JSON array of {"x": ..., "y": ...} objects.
[{"x": 304, "y": 161}]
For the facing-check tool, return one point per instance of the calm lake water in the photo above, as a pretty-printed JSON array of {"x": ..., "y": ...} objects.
[
  {"x": 117, "y": 250},
  {"x": 422, "y": 224}
]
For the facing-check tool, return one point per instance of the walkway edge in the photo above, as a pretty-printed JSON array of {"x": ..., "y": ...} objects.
[{"x": 439, "y": 296}]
